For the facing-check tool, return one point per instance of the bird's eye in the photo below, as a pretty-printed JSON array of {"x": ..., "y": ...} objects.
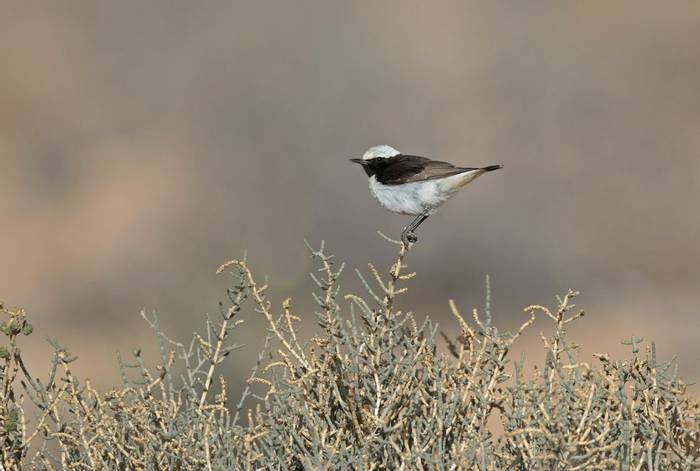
[{"x": 379, "y": 159}]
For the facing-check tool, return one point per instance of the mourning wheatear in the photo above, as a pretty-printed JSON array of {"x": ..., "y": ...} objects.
[{"x": 412, "y": 185}]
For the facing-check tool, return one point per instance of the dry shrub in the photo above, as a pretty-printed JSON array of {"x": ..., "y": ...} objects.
[{"x": 370, "y": 390}]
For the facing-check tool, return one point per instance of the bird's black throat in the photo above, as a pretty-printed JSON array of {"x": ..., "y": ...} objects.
[{"x": 387, "y": 169}]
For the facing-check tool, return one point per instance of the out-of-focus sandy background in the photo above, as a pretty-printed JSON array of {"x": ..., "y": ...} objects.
[{"x": 142, "y": 144}]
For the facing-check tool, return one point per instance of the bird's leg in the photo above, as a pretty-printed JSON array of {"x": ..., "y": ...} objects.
[{"x": 408, "y": 236}]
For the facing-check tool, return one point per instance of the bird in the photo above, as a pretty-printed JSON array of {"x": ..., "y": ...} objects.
[{"x": 414, "y": 185}]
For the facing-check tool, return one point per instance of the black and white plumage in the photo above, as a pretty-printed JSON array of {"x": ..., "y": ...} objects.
[{"x": 413, "y": 185}]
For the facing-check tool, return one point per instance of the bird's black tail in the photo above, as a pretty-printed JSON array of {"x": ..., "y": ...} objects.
[{"x": 491, "y": 168}]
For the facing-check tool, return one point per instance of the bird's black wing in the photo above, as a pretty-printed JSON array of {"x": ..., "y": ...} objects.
[{"x": 412, "y": 168}]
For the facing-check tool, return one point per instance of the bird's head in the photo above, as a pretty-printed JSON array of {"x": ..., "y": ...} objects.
[{"x": 376, "y": 156}]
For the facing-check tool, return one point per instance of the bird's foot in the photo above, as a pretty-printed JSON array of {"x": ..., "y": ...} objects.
[{"x": 409, "y": 237}]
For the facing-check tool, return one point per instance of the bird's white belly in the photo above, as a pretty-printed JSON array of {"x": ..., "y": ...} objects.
[{"x": 418, "y": 197}]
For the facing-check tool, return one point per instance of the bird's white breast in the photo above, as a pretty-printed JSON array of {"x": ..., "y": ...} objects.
[{"x": 418, "y": 197}]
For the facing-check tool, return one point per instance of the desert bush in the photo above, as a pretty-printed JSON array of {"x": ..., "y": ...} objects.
[{"x": 371, "y": 389}]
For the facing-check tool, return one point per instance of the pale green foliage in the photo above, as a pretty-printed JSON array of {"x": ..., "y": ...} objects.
[{"x": 371, "y": 390}]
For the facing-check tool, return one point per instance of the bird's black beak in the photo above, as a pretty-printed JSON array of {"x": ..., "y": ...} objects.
[{"x": 358, "y": 161}]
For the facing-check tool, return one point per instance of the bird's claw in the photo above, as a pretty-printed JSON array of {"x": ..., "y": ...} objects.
[{"x": 409, "y": 237}]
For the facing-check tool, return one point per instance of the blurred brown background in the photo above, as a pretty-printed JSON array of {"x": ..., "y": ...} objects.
[{"x": 144, "y": 143}]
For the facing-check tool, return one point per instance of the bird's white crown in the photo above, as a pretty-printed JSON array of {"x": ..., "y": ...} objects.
[{"x": 380, "y": 151}]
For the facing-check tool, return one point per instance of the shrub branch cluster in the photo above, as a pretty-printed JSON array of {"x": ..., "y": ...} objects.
[{"x": 373, "y": 388}]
